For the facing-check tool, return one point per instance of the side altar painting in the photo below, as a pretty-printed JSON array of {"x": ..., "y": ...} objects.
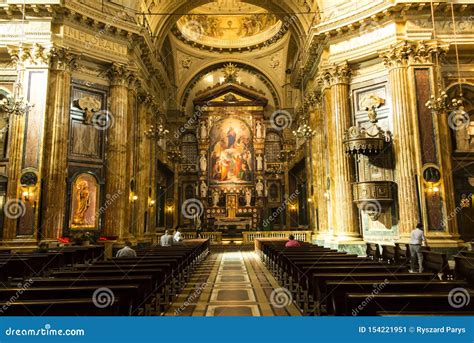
[{"x": 231, "y": 152}]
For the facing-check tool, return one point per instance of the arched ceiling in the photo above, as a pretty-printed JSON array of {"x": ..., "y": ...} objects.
[{"x": 161, "y": 25}]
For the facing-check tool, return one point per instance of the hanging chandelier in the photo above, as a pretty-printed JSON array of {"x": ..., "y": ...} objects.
[
  {"x": 304, "y": 131},
  {"x": 442, "y": 103}
]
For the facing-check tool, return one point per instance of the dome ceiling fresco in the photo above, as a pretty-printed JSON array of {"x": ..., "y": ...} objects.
[{"x": 238, "y": 25}]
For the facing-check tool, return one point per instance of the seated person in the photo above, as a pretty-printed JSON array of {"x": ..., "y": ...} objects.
[
  {"x": 292, "y": 243},
  {"x": 166, "y": 240},
  {"x": 127, "y": 251},
  {"x": 178, "y": 237}
]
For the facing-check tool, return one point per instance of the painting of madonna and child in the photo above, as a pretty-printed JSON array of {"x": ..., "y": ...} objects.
[{"x": 231, "y": 152}]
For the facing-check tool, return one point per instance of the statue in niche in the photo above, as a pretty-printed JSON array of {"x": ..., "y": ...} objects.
[
  {"x": 465, "y": 136},
  {"x": 215, "y": 198},
  {"x": 203, "y": 163},
  {"x": 83, "y": 203},
  {"x": 259, "y": 160},
  {"x": 259, "y": 130},
  {"x": 203, "y": 189},
  {"x": 203, "y": 130},
  {"x": 248, "y": 197},
  {"x": 259, "y": 188}
]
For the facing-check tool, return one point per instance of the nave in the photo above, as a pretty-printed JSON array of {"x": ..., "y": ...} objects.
[{"x": 233, "y": 283}]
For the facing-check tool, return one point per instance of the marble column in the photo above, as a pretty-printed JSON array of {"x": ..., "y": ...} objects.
[
  {"x": 133, "y": 101},
  {"x": 117, "y": 176},
  {"x": 143, "y": 165},
  {"x": 319, "y": 151},
  {"x": 56, "y": 144},
  {"x": 26, "y": 135},
  {"x": 396, "y": 60},
  {"x": 346, "y": 221}
]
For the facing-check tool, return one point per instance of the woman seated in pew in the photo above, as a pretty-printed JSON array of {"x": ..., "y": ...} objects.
[
  {"x": 167, "y": 239},
  {"x": 292, "y": 243},
  {"x": 127, "y": 251}
]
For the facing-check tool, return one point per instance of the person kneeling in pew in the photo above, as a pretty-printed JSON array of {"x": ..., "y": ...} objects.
[
  {"x": 292, "y": 243},
  {"x": 127, "y": 251}
]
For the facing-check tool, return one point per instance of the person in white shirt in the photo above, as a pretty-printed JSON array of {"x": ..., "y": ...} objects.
[
  {"x": 166, "y": 240},
  {"x": 417, "y": 240},
  {"x": 127, "y": 251},
  {"x": 178, "y": 236}
]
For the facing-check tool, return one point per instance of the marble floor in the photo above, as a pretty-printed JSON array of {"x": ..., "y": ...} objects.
[{"x": 233, "y": 283}]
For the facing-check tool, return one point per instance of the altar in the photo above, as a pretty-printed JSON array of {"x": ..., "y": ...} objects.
[{"x": 238, "y": 222}]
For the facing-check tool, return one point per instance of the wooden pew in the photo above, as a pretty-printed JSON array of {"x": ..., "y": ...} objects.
[
  {"x": 429, "y": 301},
  {"x": 127, "y": 295},
  {"x": 59, "y": 307},
  {"x": 337, "y": 290}
]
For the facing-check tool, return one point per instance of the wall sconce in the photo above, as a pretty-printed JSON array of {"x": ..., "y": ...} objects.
[
  {"x": 310, "y": 200},
  {"x": 293, "y": 207},
  {"x": 151, "y": 202},
  {"x": 28, "y": 187},
  {"x": 133, "y": 197},
  {"x": 432, "y": 189},
  {"x": 170, "y": 209}
]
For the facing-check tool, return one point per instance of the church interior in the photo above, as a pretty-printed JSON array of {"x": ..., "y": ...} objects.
[{"x": 235, "y": 127}]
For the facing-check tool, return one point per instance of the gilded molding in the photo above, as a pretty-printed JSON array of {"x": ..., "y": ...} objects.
[{"x": 29, "y": 54}]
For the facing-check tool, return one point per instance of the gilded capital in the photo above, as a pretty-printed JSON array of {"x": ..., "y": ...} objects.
[
  {"x": 63, "y": 59},
  {"x": 338, "y": 74},
  {"x": 29, "y": 54},
  {"x": 398, "y": 55},
  {"x": 119, "y": 75},
  {"x": 405, "y": 53}
]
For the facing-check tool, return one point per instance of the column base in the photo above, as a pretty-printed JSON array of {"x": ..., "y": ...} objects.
[
  {"x": 22, "y": 244},
  {"x": 352, "y": 245}
]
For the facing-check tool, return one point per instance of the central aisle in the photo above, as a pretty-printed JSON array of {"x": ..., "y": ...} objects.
[{"x": 233, "y": 284}]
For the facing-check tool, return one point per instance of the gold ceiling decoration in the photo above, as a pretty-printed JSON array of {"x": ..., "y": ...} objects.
[{"x": 238, "y": 25}]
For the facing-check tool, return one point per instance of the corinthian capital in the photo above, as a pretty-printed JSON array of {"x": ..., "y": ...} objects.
[
  {"x": 398, "y": 55},
  {"x": 338, "y": 74},
  {"x": 63, "y": 59},
  {"x": 119, "y": 75}
]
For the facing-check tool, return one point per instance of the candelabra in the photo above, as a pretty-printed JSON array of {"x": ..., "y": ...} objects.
[
  {"x": 442, "y": 104},
  {"x": 156, "y": 133},
  {"x": 304, "y": 131}
]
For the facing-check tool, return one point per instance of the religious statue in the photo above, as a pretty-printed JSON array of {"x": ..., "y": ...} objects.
[
  {"x": 248, "y": 197},
  {"x": 83, "y": 203},
  {"x": 259, "y": 160},
  {"x": 203, "y": 189},
  {"x": 215, "y": 198},
  {"x": 203, "y": 131},
  {"x": 203, "y": 163},
  {"x": 259, "y": 130},
  {"x": 259, "y": 188}
]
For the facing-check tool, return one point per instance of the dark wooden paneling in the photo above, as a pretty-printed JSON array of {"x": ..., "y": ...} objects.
[{"x": 86, "y": 141}]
